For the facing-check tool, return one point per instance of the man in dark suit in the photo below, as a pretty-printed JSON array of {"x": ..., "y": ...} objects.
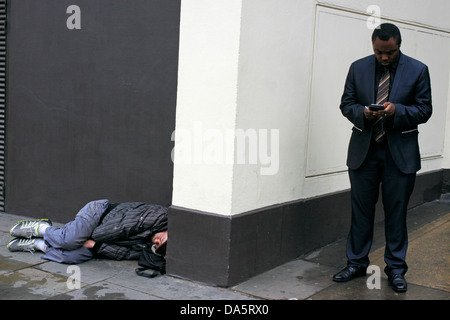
[{"x": 383, "y": 149}]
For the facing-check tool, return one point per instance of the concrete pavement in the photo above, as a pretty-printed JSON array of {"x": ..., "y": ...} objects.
[{"x": 24, "y": 276}]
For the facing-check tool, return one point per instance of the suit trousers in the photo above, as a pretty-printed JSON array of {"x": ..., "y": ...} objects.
[{"x": 396, "y": 188}]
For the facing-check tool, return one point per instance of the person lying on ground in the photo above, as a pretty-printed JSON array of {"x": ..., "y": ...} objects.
[{"x": 117, "y": 231}]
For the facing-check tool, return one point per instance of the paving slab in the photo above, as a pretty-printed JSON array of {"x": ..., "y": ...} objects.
[
  {"x": 172, "y": 288},
  {"x": 295, "y": 280},
  {"x": 92, "y": 271},
  {"x": 104, "y": 290},
  {"x": 11, "y": 261},
  {"x": 357, "y": 290},
  {"x": 31, "y": 284},
  {"x": 428, "y": 255}
]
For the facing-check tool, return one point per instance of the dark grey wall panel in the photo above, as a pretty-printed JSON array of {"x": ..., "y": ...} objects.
[
  {"x": 90, "y": 111},
  {"x": 2, "y": 101}
]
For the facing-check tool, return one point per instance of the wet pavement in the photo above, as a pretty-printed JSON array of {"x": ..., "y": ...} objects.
[{"x": 25, "y": 276}]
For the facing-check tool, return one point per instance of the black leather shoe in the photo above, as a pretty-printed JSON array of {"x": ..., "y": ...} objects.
[
  {"x": 397, "y": 282},
  {"x": 349, "y": 273}
]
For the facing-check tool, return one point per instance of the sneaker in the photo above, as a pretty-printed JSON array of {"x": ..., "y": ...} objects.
[
  {"x": 20, "y": 244},
  {"x": 28, "y": 228}
]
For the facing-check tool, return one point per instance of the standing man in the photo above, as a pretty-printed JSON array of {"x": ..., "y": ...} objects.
[{"x": 383, "y": 149}]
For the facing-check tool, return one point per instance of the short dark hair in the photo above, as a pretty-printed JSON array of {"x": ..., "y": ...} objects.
[{"x": 385, "y": 31}]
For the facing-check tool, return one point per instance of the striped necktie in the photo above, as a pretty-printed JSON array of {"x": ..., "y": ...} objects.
[{"x": 382, "y": 97}]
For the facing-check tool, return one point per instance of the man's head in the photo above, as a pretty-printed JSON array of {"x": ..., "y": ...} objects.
[{"x": 386, "y": 42}]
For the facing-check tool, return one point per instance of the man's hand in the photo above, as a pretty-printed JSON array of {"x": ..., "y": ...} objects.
[
  {"x": 89, "y": 244},
  {"x": 388, "y": 111}
]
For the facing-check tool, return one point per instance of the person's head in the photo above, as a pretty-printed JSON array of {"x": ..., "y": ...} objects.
[
  {"x": 386, "y": 42},
  {"x": 160, "y": 240}
]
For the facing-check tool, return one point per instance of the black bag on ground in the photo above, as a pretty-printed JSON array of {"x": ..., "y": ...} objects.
[{"x": 152, "y": 263}]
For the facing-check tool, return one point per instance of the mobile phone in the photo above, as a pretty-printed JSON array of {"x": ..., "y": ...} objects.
[{"x": 376, "y": 107}]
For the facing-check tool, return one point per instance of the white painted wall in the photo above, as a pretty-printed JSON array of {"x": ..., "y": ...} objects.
[
  {"x": 274, "y": 84},
  {"x": 261, "y": 67},
  {"x": 329, "y": 132},
  {"x": 207, "y": 94}
]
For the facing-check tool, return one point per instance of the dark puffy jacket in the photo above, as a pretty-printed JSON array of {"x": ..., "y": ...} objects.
[{"x": 126, "y": 228}]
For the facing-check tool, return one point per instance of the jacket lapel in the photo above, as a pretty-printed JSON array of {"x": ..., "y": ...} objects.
[
  {"x": 398, "y": 77},
  {"x": 371, "y": 82}
]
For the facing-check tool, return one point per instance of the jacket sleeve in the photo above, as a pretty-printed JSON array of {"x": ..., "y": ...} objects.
[
  {"x": 350, "y": 108},
  {"x": 116, "y": 252},
  {"x": 420, "y": 108}
]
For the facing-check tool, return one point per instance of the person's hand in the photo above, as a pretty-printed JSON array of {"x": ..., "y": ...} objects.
[
  {"x": 159, "y": 239},
  {"x": 388, "y": 111},
  {"x": 89, "y": 244},
  {"x": 370, "y": 115}
]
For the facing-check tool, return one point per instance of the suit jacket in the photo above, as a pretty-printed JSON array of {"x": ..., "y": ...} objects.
[{"x": 411, "y": 94}]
